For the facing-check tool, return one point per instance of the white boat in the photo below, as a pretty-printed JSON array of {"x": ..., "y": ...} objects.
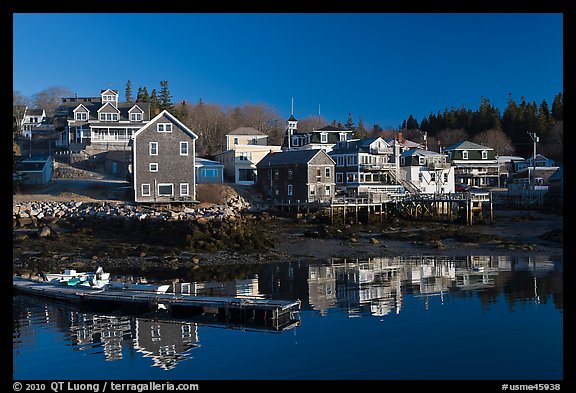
[{"x": 71, "y": 277}]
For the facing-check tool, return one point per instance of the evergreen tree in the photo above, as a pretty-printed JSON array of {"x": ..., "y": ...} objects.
[
  {"x": 165, "y": 99},
  {"x": 558, "y": 107},
  {"x": 425, "y": 125},
  {"x": 545, "y": 120},
  {"x": 128, "y": 91},
  {"x": 154, "y": 104},
  {"x": 403, "y": 126},
  {"x": 412, "y": 124},
  {"x": 350, "y": 123},
  {"x": 143, "y": 95},
  {"x": 360, "y": 132}
]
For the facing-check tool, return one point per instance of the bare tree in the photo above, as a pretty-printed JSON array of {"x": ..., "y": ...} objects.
[
  {"x": 496, "y": 139},
  {"x": 311, "y": 123},
  {"x": 49, "y": 99},
  {"x": 450, "y": 137}
]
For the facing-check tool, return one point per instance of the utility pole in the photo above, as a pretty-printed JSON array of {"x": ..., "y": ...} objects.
[{"x": 535, "y": 139}]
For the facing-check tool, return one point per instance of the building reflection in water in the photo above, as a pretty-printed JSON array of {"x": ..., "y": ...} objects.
[
  {"x": 376, "y": 286},
  {"x": 371, "y": 287}
]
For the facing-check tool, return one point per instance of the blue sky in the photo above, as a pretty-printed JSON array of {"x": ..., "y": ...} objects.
[{"x": 382, "y": 66}]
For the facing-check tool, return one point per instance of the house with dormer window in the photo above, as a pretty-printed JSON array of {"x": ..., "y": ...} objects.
[
  {"x": 324, "y": 138},
  {"x": 430, "y": 172},
  {"x": 99, "y": 124},
  {"x": 474, "y": 164},
  {"x": 163, "y": 156}
]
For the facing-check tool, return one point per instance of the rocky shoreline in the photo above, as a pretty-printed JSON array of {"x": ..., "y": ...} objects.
[{"x": 124, "y": 237}]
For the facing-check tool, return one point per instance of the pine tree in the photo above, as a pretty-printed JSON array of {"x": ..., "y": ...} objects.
[
  {"x": 412, "y": 124},
  {"x": 165, "y": 99},
  {"x": 360, "y": 132},
  {"x": 558, "y": 107},
  {"x": 154, "y": 104},
  {"x": 349, "y": 123},
  {"x": 143, "y": 95},
  {"x": 545, "y": 120},
  {"x": 128, "y": 91}
]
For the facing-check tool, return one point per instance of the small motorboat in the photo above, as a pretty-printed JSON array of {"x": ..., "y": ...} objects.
[{"x": 71, "y": 277}]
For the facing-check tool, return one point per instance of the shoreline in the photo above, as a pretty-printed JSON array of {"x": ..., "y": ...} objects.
[{"x": 513, "y": 233}]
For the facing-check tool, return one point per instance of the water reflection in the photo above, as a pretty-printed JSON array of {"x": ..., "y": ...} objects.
[{"x": 376, "y": 287}]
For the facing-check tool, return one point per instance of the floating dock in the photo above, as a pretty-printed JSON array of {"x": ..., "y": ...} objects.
[{"x": 268, "y": 311}]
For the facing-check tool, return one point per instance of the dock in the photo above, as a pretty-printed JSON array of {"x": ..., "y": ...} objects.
[{"x": 272, "y": 312}]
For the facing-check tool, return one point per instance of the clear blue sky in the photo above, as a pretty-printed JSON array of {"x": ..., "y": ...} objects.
[{"x": 382, "y": 66}]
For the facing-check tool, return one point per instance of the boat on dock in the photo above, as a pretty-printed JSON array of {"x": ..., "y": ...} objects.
[
  {"x": 270, "y": 312},
  {"x": 70, "y": 277}
]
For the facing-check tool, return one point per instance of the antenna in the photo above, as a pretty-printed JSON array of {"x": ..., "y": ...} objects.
[{"x": 292, "y": 113}]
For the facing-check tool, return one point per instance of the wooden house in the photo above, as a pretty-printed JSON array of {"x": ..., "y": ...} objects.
[
  {"x": 163, "y": 156},
  {"x": 297, "y": 176}
]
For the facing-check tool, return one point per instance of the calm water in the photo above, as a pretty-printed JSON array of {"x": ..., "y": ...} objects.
[{"x": 481, "y": 318}]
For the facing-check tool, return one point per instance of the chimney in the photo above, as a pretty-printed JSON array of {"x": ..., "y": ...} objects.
[
  {"x": 400, "y": 137},
  {"x": 157, "y": 111}
]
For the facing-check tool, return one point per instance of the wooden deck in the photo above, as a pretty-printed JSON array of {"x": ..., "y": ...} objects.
[{"x": 228, "y": 308}]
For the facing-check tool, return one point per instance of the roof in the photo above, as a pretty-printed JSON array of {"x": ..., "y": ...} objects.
[
  {"x": 333, "y": 128},
  {"x": 467, "y": 145},
  {"x": 289, "y": 157},
  {"x": 35, "y": 112},
  {"x": 355, "y": 145},
  {"x": 246, "y": 131},
  {"x": 172, "y": 119},
  {"x": 292, "y": 118},
  {"x": 420, "y": 152},
  {"x": 199, "y": 161}
]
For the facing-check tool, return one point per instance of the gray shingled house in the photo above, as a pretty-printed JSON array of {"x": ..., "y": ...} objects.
[
  {"x": 163, "y": 153},
  {"x": 297, "y": 176}
]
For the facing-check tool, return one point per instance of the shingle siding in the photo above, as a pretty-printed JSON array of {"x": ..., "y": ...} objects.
[{"x": 172, "y": 167}]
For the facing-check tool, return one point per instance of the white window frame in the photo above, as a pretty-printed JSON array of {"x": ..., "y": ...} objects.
[
  {"x": 184, "y": 189},
  {"x": 153, "y": 146},
  {"x": 183, "y": 144},
  {"x": 164, "y": 127},
  {"x": 327, "y": 171},
  {"x": 323, "y": 137},
  {"x": 484, "y": 155},
  {"x": 81, "y": 116},
  {"x": 327, "y": 190},
  {"x": 153, "y": 167},
  {"x": 464, "y": 154},
  {"x": 136, "y": 116},
  {"x": 143, "y": 188},
  {"x": 163, "y": 185}
]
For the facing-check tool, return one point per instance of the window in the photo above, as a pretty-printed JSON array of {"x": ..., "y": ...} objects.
[
  {"x": 136, "y": 117},
  {"x": 327, "y": 190},
  {"x": 184, "y": 189},
  {"x": 289, "y": 173},
  {"x": 432, "y": 177},
  {"x": 153, "y": 167},
  {"x": 183, "y": 148},
  {"x": 164, "y": 127},
  {"x": 312, "y": 191},
  {"x": 245, "y": 156},
  {"x": 145, "y": 189},
  {"x": 165, "y": 189},
  {"x": 153, "y": 148},
  {"x": 323, "y": 137},
  {"x": 82, "y": 116},
  {"x": 342, "y": 136},
  {"x": 445, "y": 177},
  {"x": 289, "y": 189},
  {"x": 208, "y": 172},
  {"x": 421, "y": 160},
  {"x": 235, "y": 140},
  {"x": 420, "y": 177},
  {"x": 276, "y": 174},
  {"x": 339, "y": 177},
  {"x": 484, "y": 155},
  {"x": 465, "y": 154},
  {"x": 318, "y": 174},
  {"x": 327, "y": 172}
]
